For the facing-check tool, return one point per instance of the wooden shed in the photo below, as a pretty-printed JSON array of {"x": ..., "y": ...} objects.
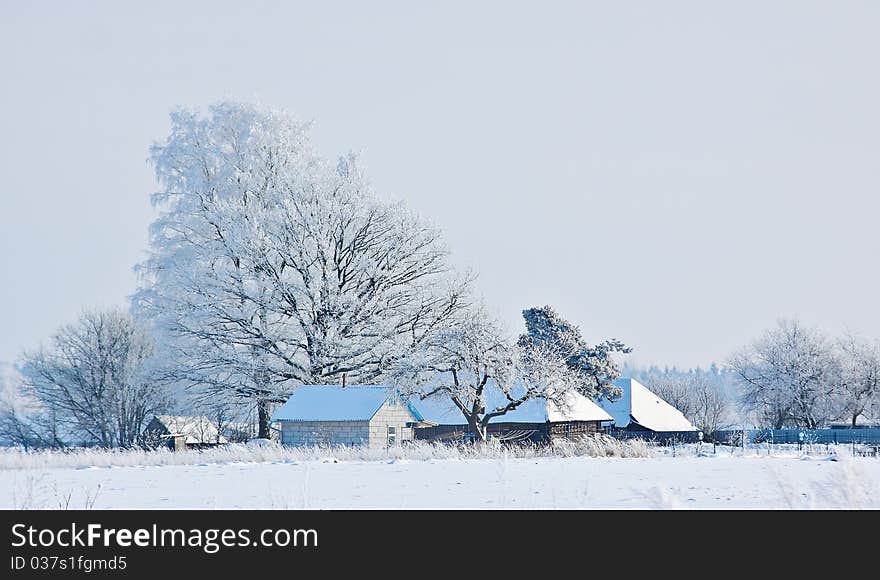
[
  {"x": 640, "y": 413},
  {"x": 535, "y": 421}
]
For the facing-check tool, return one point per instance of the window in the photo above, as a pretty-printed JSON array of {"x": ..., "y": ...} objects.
[{"x": 392, "y": 435}]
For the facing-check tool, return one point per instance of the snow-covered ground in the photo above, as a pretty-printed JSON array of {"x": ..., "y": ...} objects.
[{"x": 722, "y": 480}]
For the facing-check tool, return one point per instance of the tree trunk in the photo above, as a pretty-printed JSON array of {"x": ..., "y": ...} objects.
[
  {"x": 855, "y": 418},
  {"x": 779, "y": 423},
  {"x": 478, "y": 431},
  {"x": 263, "y": 418}
]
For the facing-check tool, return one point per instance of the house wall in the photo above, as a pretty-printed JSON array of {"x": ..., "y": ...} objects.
[
  {"x": 393, "y": 413},
  {"x": 636, "y": 431},
  {"x": 325, "y": 432},
  {"x": 156, "y": 433},
  {"x": 572, "y": 430},
  {"x": 519, "y": 432}
]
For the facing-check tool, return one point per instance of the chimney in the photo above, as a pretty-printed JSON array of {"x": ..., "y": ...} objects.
[{"x": 343, "y": 380}]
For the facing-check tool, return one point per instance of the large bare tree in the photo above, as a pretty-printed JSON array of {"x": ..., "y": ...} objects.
[
  {"x": 467, "y": 359},
  {"x": 859, "y": 392},
  {"x": 698, "y": 394},
  {"x": 92, "y": 379},
  {"x": 789, "y": 376},
  {"x": 24, "y": 421},
  {"x": 271, "y": 267}
]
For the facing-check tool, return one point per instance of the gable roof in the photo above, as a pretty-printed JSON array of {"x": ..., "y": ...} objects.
[
  {"x": 195, "y": 429},
  {"x": 638, "y": 404},
  {"x": 337, "y": 403},
  {"x": 443, "y": 411}
]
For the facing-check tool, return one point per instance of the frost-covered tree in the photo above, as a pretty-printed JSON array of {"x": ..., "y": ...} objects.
[
  {"x": 789, "y": 376},
  {"x": 712, "y": 408},
  {"x": 93, "y": 380},
  {"x": 700, "y": 395},
  {"x": 594, "y": 366},
  {"x": 271, "y": 267},
  {"x": 677, "y": 389},
  {"x": 24, "y": 422},
  {"x": 467, "y": 358},
  {"x": 859, "y": 392}
]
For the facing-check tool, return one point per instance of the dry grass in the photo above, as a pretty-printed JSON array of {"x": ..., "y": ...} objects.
[{"x": 593, "y": 446}]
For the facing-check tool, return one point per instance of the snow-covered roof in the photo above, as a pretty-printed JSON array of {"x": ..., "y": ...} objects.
[
  {"x": 336, "y": 403},
  {"x": 442, "y": 410},
  {"x": 640, "y": 405},
  {"x": 196, "y": 430}
]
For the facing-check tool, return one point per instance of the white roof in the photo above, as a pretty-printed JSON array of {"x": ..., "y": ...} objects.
[
  {"x": 577, "y": 407},
  {"x": 335, "y": 403},
  {"x": 640, "y": 405},
  {"x": 195, "y": 429}
]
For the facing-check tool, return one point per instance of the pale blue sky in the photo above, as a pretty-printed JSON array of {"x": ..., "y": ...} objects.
[{"x": 676, "y": 174}]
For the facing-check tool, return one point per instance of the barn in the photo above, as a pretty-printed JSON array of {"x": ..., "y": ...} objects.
[
  {"x": 641, "y": 413},
  {"x": 179, "y": 432},
  {"x": 372, "y": 415},
  {"x": 534, "y": 421}
]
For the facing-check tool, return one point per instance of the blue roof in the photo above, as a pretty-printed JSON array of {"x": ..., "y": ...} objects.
[
  {"x": 443, "y": 411},
  {"x": 337, "y": 403},
  {"x": 440, "y": 409}
]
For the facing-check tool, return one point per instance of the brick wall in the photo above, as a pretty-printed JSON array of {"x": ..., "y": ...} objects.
[
  {"x": 393, "y": 413},
  {"x": 325, "y": 432}
]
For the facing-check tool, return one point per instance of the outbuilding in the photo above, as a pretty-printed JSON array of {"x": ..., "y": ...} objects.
[
  {"x": 372, "y": 415},
  {"x": 179, "y": 432},
  {"x": 641, "y": 413},
  {"x": 538, "y": 420}
]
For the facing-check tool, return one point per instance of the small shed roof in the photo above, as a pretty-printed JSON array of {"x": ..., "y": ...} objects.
[
  {"x": 577, "y": 407},
  {"x": 638, "y": 404},
  {"x": 337, "y": 403},
  {"x": 195, "y": 429}
]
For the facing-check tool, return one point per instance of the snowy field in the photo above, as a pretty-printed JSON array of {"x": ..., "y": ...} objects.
[{"x": 691, "y": 479}]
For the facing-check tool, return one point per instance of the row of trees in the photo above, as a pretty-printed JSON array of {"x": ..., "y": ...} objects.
[
  {"x": 97, "y": 381},
  {"x": 797, "y": 376},
  {"x": 792, "y": 376}
]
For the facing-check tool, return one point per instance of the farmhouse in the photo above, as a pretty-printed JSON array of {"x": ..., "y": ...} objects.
[
  {"x": 536, "y": 420},
  {"x": 178, "y": 432},
  {"x": 372, "y": 415},
  {"x": 641, "y": 413}
]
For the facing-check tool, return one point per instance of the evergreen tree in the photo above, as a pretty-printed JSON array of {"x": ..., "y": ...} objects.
[{"x": 593, "y": 365}]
